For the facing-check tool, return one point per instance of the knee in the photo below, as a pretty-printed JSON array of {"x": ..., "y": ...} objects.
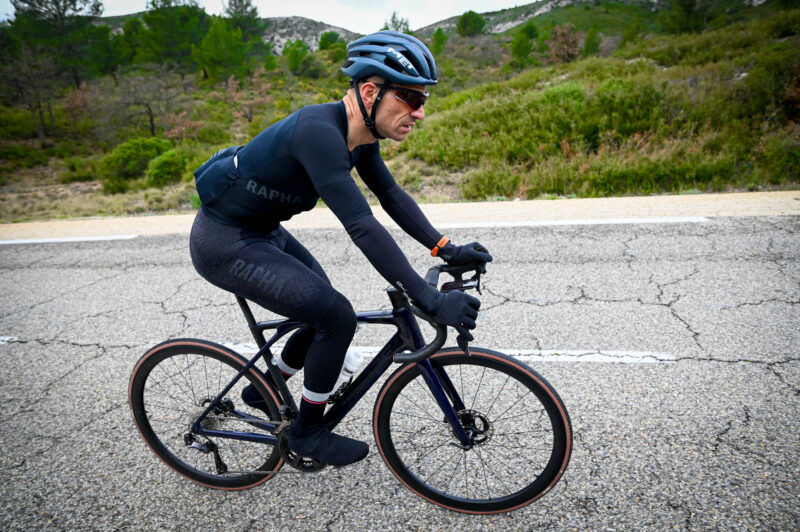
[{"x": 340, "y": 319}]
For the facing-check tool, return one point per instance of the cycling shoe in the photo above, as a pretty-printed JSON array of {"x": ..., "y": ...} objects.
[{"x": 320, "y": 443}]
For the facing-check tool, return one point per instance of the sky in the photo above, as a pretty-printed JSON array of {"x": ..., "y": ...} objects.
[{"x": 360, "y": 16}]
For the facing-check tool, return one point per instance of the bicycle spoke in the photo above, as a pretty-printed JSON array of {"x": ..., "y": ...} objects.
[
  {"x": 478, "y": 388},
  {"x": 171, "y": 393},
  {"x": 513, "y": 431},
  {"x": 485, "y": 467}
]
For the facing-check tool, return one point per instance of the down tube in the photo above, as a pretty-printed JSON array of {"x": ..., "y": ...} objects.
[{"x": 363, "y": 382}]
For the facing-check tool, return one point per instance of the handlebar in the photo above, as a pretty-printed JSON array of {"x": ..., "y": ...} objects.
[{"x": 432, "y": 278}]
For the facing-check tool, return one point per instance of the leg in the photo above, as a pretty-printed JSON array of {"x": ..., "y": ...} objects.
[
  {"x": 294, "y": 352},
  {"x": 257, "y": 266}
]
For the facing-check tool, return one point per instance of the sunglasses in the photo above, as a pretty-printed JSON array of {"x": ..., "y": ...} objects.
[{"x": 413, "y": 98}]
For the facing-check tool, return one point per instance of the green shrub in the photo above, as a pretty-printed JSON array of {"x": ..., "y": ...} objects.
[
  {"x": 777, "y": 155},
  {"x": 129, "y": 160},
  {"x": 78, "y": 169},
  {"x": 14, "y": 156},
  {"x": 214, "y": 133},
  {"x": 470, "y": 23},
  {"x": 16, "y": 124},
  {"x": 169, "y": 167}
]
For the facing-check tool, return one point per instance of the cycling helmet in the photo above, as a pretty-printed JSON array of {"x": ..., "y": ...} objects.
[{"x": 396, "y": 57}]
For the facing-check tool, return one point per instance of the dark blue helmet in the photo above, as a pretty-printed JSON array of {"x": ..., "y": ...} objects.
[{"x": 396, "y": 57}]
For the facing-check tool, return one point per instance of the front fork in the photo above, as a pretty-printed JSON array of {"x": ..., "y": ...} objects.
[{"x": 448, "y": 399}]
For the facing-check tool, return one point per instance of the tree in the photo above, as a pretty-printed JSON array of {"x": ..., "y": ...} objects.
[
  {"x": 439, "y": 40},
  {"x": 563, "y": 44},
  {"x": 26, "y": 78},
  {"x": 133, "y": 33},
  {"x": 469, "y": 24},
  {"x": 145, "y": 98},
  {"x": 243, "y": 15},
  {"x": 530, "y": 30},
  {"x": 295, "y": 51},
  {"x": 173, "y": 27},
  {"x": 591, "y": 42},
  {"x": 521, "y": 48},
  {"x": 328, "y": 39},
  {"x": 633, "y": 31},
  {"x": 222, "y": 52},
  {"x": 686, "y": 16},
  {"x": 397, "y": 23},
  {"x": 56, "y": 25}
]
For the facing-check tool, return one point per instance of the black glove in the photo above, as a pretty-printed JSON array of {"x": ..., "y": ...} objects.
[
  {"x": 456, "y": 309},
  {"x": 466, "y": 254}
]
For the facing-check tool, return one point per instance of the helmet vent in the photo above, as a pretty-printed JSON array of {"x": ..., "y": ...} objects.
[{"x": 391, "y": 63}]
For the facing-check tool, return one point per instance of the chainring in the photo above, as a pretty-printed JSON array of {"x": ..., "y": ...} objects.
[{"x": 303, "y": 464}]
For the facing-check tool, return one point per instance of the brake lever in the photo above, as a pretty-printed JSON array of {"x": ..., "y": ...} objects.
[{"x": 463, "y": 343}]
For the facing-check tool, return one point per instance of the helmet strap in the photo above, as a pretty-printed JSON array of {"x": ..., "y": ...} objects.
[{"x": 369, "y": 120}]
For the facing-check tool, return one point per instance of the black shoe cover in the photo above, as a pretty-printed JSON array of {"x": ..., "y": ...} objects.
[{"x": 320, "y": 443}]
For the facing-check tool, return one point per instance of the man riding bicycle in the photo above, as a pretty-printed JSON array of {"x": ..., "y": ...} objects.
[{"x": 238, "y": 244}]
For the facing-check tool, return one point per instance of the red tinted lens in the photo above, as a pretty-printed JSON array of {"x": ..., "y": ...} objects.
[{"x": 414, "y": 99}]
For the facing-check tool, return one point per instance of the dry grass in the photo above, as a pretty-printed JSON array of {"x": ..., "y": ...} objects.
[{"x": 36, "y": 194}]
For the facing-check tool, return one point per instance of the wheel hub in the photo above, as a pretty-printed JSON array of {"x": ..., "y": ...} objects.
[{"x": 477, "y": 426}]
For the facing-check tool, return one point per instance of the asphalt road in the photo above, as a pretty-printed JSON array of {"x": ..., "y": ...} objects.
[{"x": 677, "y": 357}]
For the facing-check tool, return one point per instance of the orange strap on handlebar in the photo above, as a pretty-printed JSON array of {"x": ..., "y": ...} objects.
[{"x": 442, "y": 243}]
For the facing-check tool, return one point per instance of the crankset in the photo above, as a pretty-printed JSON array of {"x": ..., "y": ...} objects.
[{"x": 303, "y": 464}]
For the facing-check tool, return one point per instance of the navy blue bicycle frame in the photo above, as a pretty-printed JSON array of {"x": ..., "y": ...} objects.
[{"x": 407, "y": 337}]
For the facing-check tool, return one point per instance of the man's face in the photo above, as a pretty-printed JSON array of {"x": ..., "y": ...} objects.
[{"x": 396, "y": 116}]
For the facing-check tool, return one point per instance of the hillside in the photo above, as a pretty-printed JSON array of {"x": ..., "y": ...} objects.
[{"x": 710, "y": 111}]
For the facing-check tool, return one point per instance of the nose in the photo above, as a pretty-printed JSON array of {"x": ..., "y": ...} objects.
[{"x": 419, "y": 114}]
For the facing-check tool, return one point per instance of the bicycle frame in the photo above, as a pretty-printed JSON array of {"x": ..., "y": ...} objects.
[{"x": 407, "y": 337}]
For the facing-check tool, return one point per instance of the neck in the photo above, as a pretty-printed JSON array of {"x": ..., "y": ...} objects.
[{"x": 357, "y": 132}]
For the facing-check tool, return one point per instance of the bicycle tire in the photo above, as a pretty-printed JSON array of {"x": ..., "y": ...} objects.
[
  {"x": 523, "y": 451},
  {"x": 171, "y": 386}
]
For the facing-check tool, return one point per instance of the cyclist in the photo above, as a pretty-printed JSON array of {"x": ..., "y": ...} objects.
[{"x": 238, "y": 244}]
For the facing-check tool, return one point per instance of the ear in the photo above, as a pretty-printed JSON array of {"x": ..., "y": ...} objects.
[{"x": 369, "y": 91}]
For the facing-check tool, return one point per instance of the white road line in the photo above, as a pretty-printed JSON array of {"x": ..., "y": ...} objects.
[
  {"x": 67, "y": 239},
  {"x": 7, "y": 339},
  {"x": 461, "y": 225},
  {"x": 596, "y": 221},
  {"x": 525, "y": 355}
]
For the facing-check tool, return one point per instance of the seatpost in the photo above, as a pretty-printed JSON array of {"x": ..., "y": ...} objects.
[{"x": 251, "y": 321}]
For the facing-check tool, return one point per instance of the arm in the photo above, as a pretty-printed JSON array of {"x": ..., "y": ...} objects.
[
  {"x": 325, "y": 157},
  {"x": 395, "y": 201}
]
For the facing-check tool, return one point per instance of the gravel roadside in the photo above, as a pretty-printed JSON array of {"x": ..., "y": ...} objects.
[{"x": 509, "y": 212}]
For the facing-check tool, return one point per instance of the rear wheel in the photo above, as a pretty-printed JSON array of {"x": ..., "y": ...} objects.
[
  {"x": 520, "y": 433},
  {"x": 171, "y": 387}
]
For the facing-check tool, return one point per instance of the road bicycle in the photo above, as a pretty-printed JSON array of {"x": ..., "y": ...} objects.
[{"x": 466, "y": 428}]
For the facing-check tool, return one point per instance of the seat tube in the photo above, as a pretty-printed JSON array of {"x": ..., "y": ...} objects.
[{"x": 435, "y": 385}]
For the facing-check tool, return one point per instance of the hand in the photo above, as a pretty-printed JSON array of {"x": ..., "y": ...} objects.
[
  {"x": 466, "y": 254},
  {"x": 456, "y": 309}
]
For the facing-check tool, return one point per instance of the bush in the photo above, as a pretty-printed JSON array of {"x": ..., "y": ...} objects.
[
  {"x": 778, "y": 155},
  {"x": 167, "y": 168},
  {"x": 295, "y": 51},
  {"x": 129, "y": 161},
  {"x": 469, "y": 24},
  {"x": 328, "y": 39},
  {"x": 16, "y": 124},
  {"x": 311, "y": 67},
  {"x": 78, "y": 169}
]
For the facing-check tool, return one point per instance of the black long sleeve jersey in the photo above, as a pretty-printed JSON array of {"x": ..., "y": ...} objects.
[{"x": 290, "y": 165}]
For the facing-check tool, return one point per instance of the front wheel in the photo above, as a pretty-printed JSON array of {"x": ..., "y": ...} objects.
[
  {"x": 173, "y": 384},
  {"x": 520, "y": 433}
]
